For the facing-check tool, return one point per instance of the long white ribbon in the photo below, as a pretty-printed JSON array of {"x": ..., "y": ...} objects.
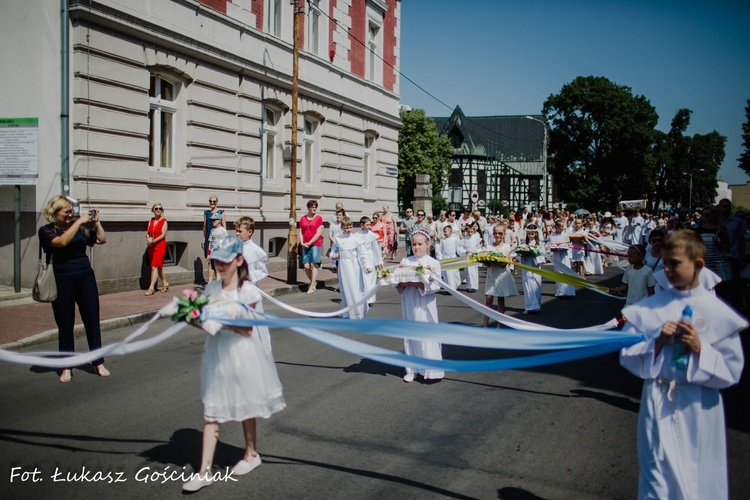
[
  {"x": 516, "y": 323},
  {"x": 67, "y": 360}
]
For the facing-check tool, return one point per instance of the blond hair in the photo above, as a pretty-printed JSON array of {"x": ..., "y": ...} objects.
[
  {"x": 55, "y": 204},
  {"x": 246, "y": 222},
  {"x": 686, "y": 240}
]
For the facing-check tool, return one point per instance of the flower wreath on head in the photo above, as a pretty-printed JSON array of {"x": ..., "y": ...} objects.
[{"x": 423, "y": 232}]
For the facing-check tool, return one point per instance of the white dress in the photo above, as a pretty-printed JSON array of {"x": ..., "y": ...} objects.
[
  {"x": 370, "y": 246},
  {"x": 470, "y": 244},
  {"x": 256, "y": 260},
  {"x": 421, "y": 305},
  {"x": 500, "y": 281},
  {"x": 447, "y": 248},
  {"x": 577, "y": 254},
  {"x": 559, "y": 246},
  {"x": 593, "y": 261},
  {"x": 353, "y": 261},
  {"x": 238, "y": 379},
  {"x": 681, "y": 436},
  {"x": 532, "y": 283}
]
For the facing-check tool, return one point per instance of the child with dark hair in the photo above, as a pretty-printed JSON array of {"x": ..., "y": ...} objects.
[{"x": 638, "y": 279}]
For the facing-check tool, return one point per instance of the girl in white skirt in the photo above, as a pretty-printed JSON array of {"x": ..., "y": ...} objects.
[
  {"x": 418, "y": 303},
  {"x": 532, "y": 282},
  {"x": 238, "y": 379},
  {"x": 500, "y": 282}
]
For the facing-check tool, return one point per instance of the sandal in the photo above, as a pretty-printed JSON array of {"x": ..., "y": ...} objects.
[
  {"x": 101, "y": 371},
  {"x": 164, "y": 288},
  {"x": 149, "y": 292},
  {"x": 66, "y": 375}
]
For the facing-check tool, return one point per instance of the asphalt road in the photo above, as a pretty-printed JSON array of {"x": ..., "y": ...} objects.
[{"x": 351, "y": 430}]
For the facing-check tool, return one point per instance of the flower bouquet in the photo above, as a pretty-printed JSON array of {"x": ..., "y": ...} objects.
[
  {"x": 186, "y": 307},
  {"x": 489, "y": 258},
  {"x": 528, "y": 250},
  {"x": 196, "y": 309},
  {"x": 405, "y": 274}
]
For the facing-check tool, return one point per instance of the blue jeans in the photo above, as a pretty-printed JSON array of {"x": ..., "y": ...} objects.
[{"x": 312, "y": 255}]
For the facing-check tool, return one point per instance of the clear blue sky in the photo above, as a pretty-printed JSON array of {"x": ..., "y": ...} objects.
[{"x": 505, "y": 57}]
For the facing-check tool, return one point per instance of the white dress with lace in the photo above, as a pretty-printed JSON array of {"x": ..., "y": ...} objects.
[{"x": 238, "y": 379}]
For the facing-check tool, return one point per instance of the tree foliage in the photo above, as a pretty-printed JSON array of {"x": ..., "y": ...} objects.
[
  {"x": 744, "y": 158},
  {"x": 421, "y": 150},
  {"x": 601, "y": 142},
  {"x": 682, "y": 160}
]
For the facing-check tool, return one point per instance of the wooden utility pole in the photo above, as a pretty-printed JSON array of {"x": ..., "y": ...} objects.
[{"x": 292, "y": 244}]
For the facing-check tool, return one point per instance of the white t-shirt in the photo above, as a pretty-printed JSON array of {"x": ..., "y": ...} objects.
[{"x": 638, "y": 281}]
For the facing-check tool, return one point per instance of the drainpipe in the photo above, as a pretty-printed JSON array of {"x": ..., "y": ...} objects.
[{"x": 65, "y": 97}]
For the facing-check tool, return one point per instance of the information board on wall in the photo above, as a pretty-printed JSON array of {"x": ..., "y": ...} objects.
[{"x": 19, "y": 151}]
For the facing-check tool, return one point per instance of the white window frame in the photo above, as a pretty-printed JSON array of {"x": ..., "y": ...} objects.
[
  {"x": 158, "y": 108},
  {"x": 374, "y": 35},
  {"x": 314, "y": 29},
  {"x": 368, "y": 159},
  {"x": 310, "y": 150},
  {"x": 274, "y": 14},
  {"x": 170, "y": 257},
  {"x": 273, "y": 157}
]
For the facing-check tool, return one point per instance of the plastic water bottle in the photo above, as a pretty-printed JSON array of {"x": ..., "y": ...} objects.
[{"x": 679, "y": 356}]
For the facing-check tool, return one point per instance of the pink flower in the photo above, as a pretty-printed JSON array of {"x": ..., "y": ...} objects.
[
  {"x": 190, "y": 293},
  {"x": 195, "y": 314}
]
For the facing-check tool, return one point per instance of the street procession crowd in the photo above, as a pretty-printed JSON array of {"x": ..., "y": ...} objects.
[{"x": 683, "y": 280}]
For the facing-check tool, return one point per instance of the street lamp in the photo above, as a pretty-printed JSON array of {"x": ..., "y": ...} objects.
[
  {"x": 690, "y": 199},
  {"x": 545, "y": 123}
]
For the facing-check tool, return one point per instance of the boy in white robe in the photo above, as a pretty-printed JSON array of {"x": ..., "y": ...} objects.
[
  {"x": 353, "y": 265},
  {"x": 447, "y": 248},
  {"x": 256, "y": 259},
  {"x": 375, "y": 256},
  {"x": 684, "y": 363}
]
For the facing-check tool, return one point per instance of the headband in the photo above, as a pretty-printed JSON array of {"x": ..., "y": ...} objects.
[{"x": 423, "y": 232}]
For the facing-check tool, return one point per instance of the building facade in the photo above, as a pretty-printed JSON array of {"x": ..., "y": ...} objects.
[
  {"x": 171, "y": 101},
  {"x": 498, "y": 162}
]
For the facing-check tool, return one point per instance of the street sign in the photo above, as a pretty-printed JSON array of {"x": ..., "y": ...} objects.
[
  {"x": 474, "y": 196},
  {"x": 481, "y": 203}
]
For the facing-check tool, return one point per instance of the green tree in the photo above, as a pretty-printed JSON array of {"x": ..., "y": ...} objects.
[
  {"x": 744, "y": 158},
  {"x": 421, "y": 150},
  {"x": 706, "y": 153},
  {"x": 680, "y": 157},
  {"x": 601, "y": 142}
]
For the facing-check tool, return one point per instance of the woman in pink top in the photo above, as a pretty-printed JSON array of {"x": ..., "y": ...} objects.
[
  {"x": 389, "y": 232},
  {"x": 311, "y": 239}
]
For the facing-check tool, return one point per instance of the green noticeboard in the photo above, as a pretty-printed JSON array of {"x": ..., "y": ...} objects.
[{"x": 19, "y": 151}]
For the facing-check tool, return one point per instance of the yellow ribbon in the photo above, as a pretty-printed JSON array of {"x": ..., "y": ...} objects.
[{"x": 462, "y": 262}]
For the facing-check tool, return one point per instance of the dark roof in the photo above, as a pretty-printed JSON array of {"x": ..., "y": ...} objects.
[{"x": 505, "y": 138}]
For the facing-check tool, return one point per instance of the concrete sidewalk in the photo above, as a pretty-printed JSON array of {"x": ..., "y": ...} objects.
[{"x": 26, "y": 322}]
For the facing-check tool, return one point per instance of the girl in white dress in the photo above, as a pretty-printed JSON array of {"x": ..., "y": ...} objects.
[
  {"x": 559, "y": 247},
  {"x": 238, "y": 380},
  {"x": 577, "y": 255},
  {"x": 447, "y": 248},
  {"x": 418, "y": 303},
  {"x": 532, "y": 282},
  {"x": 592, "y": 264},
  {"x": 471, "y": 244},
  {"x": 500, "y": 282},
  {"x": 354, "y": 263}
]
